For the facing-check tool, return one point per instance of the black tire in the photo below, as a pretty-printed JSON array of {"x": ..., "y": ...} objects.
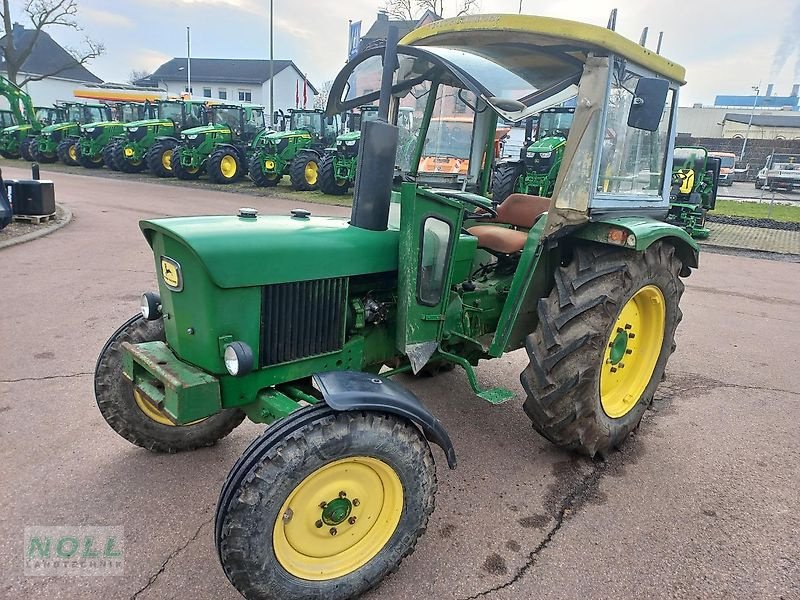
[
  {"x": 109, "y": 151},
  {"x": 68, "y": 152},
  {"x": 114, "y": 395},
  {"x": 41, "y": 157},
  {"x": 25, "y": 149},
  {"x": 505, "y": 181},
  {"x": 284, "y": 456},
  {"x": 124, "y": 164},
  {"x": 216, "y": 166},
  {"x": 302, "y": 180},
  {"x": 89, "y": 162},
  {"x": 759, "y": 185},
  {"x": 179, "y": 170},
  {"x": 568, "y": 349},
  {"x": 328, "y": 184},
  {"x": 258, "y": 176},
  {"x": 159, "y": 158},
  {"x": 9, "y": 155}
]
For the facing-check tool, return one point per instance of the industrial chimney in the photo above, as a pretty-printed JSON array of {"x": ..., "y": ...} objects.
[{"x": 770, "y": 87}]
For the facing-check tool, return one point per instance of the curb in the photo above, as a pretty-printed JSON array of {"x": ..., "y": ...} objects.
[
  {"x": 66, "y": 218},
  {"x": 750, "y": 252}
]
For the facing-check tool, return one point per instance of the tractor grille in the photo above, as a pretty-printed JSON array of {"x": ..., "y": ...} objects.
[{"x": 302, "y": 319}]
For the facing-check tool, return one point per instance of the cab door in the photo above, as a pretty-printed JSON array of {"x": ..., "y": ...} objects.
[{"x": 429, "y": 229}]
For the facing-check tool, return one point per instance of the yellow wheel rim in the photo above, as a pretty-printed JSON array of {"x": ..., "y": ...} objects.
[
  {"x": 269, "y": 165},
  {"x": 632, "y": 351},
  {"x": 73, "y": 153},
  {"x": 311, "y": 172},
  {"x": 338, "y": 518},
  {"x": 227, "y": 166},
  {"x": 128, "y": 152},
  {"x": 166, "y": 160},
  {"x": 150, "y": 410}
]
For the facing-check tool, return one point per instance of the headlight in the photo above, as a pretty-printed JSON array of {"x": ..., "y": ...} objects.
[
  {"x": 191, "y": 137},
  {"x": 151, "y": 306},
  {"x": 133, "y": 129},
  {"x": 350, "y": 143},
  {"x": 545, "y": 154},
  {"x": 89, "y": 129},
  {"x": 238, "y": 358}
]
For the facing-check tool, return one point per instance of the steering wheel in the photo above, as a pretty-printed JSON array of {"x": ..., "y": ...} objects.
[{"x": 490, "y": 211}]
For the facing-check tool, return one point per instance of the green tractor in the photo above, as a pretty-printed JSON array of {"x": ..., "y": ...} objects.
[
  {"x": 296, "y": 152},
  {"x": 149, "y": 143},
  {"x": 337, "y": 169},
  {"x": 59, "y": 140},
  {"x": 536, "y": 170},
  {"x": 22, "y": 121},
  {"x": 96, "y": 136},
  {"x": 301, "y": 321},
  {"x": 695, "y": 182},
  {"x": 7, "y": 119},
  {"x": 223, "y": 147}
]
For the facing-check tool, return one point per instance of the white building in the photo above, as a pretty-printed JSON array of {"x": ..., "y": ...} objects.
[
  {"x": 63, "y": 74},
  {"x": 237, "y": 79}
]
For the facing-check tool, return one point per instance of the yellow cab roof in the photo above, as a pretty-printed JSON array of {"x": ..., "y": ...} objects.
[{"x": 476, "y": 31}]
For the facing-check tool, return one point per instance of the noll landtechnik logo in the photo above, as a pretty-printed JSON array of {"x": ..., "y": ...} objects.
[{"x": 92, "y": 551}]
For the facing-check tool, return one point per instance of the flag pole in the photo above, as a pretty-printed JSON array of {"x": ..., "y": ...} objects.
[{"x": 271, "y": 65}]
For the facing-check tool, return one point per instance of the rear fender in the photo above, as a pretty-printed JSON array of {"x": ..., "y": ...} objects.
[{"x": 355, "y": 390}]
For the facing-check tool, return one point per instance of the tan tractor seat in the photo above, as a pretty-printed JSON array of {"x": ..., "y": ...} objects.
[{"x": 520, "y": 210}]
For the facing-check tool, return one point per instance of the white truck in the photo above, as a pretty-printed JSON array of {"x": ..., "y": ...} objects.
[{"x": 781, "y": 171}]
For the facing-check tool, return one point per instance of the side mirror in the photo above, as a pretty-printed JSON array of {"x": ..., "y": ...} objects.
[
  {"x": 649, "y": 101},
  {"x": 275, "y": 118},
  {"x": 330, "y": 120}
]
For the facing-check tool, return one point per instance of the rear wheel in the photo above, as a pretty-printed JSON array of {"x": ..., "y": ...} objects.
[
  {"x": 601, "y": 347},
  {"x": 68, "y": 152},
  {"x": 134, "y": 417},
  {"x": 108, "y": 155},
  {"x": 181, "y": 172},
  {"x": 304, "y": 171},
  {"x": 328, "y": 183},
  {"x": 9, "y": 155},
  {"x": 259, "y": 177},
  {"x": 90, "y": 162},
  {"x": 224, "y": 166},
  {"x": 40, "y": 156},
  {"x": 324, "y": 505},
  {"x": 159, "y": 158},
  {"x": 25, "y": 149},
  {"x": 505, "y": 181}
]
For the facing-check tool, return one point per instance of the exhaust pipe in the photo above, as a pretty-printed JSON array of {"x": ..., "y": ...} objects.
[{"x": 377, "y": 153}]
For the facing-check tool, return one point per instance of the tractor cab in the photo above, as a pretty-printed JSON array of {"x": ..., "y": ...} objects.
[
  {"x": 240, "y": 122},
  {"x": 323, "y": 130},
  {"x": 695, "y": 182},
  {"x": 7, "y": 119},
  {"x": 59, "y": 138}
]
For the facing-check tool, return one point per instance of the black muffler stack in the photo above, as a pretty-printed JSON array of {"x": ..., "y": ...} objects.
[{"x": 377, "y": 154}]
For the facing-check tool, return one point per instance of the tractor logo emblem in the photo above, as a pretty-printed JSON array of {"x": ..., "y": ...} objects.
[{"x": 171, "y": 273}]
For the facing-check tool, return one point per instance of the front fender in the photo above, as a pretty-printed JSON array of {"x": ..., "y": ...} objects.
[
  {"x": 647, "y": 232},
  {"x": 355, "y": 390}
]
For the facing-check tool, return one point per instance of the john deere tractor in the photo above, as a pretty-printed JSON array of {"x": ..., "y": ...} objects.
[
  {"x": 296, "y": 152},
  {"x": 149, "y": 143},
  {"x": 337, "y": 169},
  {"x": 223, "y": 147},
  {"x": 695, "y": 182},
  {"x": 27, "y": 121},
  {"x": 301, "y": 321},
  {"x": 96, "y": 136},
  {"x": 536, "y": 170},
  {"x": 59, "y": 141},
  {"x": 7, "y": 119}
]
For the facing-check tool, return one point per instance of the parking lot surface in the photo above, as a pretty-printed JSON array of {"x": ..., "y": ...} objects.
[{"x": 702, "y": 502}]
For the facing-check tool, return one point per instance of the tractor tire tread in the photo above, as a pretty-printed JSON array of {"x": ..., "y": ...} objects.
[{"x": 327, "y": 178}]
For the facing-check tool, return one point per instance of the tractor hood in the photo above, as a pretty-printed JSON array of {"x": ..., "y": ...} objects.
[
  {"x": 97, "y": 124},
  {"x": 59, "y": 127},
  {"x": 282, "y": 135},
  {"x": 148, "y": 123},
  {"x": 17, "y": 128},
  {"x": 245, "y": 252},
  {"x": 349, "y": 136},
  {"x": 547, "y": 144},
  {"x": 203, "y": 129}
]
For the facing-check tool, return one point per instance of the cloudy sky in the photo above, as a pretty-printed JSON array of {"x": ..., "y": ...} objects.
[{"x": 727, "y": 46}]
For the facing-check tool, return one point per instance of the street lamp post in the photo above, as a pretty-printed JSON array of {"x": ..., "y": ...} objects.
[
  {"x": 756, "y": 89},
  {"x": 189, "y": 60},
  {"x": 271, "y": 67}
]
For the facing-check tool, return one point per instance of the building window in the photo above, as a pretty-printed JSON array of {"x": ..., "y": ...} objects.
[
  {"x": 245, "y": 96},
  {"x": 223, "y": 94},
  {"x": 206, "y": 92}
]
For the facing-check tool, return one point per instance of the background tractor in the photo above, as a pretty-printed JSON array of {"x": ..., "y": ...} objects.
[
  {"x": 59, "y": 140},
  {"x": 7, "y": 119},
  {"x": 222, "y": 147},
  {"x": 27, "y": 120},
  {"x": 540, "y": 158},
  {"x": 296, "y": 152},
  {"x": 96, "y": 136},
  {"x": 301, "y": 321},
  {"x": 337, "y": 169},
  {"x": 148, "y": 144},
  {"x": 695, "y": 182}
]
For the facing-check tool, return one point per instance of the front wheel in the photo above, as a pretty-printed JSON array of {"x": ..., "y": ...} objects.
[
  {"x": 108, "y": 155},
  {"x": 159, "y": 158},
  {"x": 224, "y": 166},
  {"x": 328, "y": 182},
  {"x": 304, "y": 171},
  {"x": 601, "y": 347},
  {"x": 25, "y": 148},
  {"x": 180, "y": 171},
  {"x": 125, "y": 159},
  {"x": 324, "y": 505},
  {"x": 68, "y": 152},
  {"x": 133, "y": 416},
  {"x": 506, "y": 177},
  {"x": 257, "y": 174}
]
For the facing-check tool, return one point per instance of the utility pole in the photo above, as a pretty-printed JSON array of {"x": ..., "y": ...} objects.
[
  {"x": 271, "y": 66},
  {"x": 189, "y": 60},
  {"x": 520, "y": 6},
  {"x": 756, "y": 89}
]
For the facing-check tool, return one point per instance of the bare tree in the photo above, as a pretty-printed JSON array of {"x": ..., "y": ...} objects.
[
  {"x": 321, "y": 101},
  {"x": 464, "y": 7},
  {"x": 136, "y": 75},
  {"x": 43, "y": 14},
  {"x": 400, "y": 9}
]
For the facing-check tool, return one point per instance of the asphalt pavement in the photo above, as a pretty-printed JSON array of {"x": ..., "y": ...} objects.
[{"x": 702, "y": 502}]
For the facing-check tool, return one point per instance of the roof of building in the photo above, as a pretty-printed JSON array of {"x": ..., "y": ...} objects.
[
  {"x": 791, "y": 119},
  {"x": 380, "y": 28},
  {"x": 47, "y": 57},
  {"x": 219, "y": 70}
]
